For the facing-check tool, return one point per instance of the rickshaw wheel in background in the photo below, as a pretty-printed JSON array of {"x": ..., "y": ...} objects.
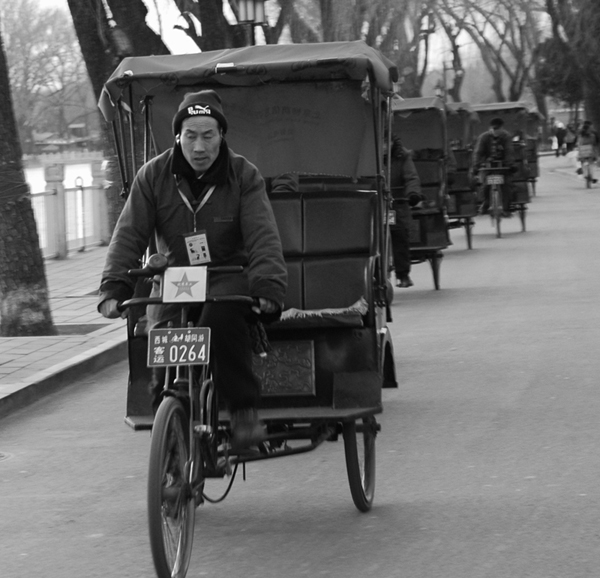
[
  {"x": 171, "y": 506},
  {"x": 435, "y": 261},
  {"x": 359, "y": 447},
  {"x": 522, "y": 216},
  {"x": 469, "y": 224}
]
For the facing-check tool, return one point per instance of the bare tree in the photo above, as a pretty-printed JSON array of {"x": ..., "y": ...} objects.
[
  {"x": 24, "y": 303},
  {"x": 576, "y": 25},
  {"x": 506, "y": 33},
  {"x": 402, "y": 31},
  {"x": 46, "y": 69},
  {"x": 108, "y": 32}
]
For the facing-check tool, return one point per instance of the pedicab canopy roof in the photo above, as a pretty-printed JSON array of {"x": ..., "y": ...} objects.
[
  {"x": 463, "y": 125},
  {"x": 414, "y": 104},
  {"x": 289, "y": 107},
  {"x": 517, "y": 116},
  {"x": 420, "y": 122}
]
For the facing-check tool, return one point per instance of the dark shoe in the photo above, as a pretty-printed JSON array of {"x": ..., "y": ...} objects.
[
  {"x": 579, "y": 171},
  {"x": 405, "y": 281},
  {"x": 594, "y": 180},
  {"x": 246, "y": 429}
]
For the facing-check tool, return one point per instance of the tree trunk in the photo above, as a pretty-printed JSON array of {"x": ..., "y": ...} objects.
[
  {"x": 130, "y": 16},
  {"x": 100, "y": 56},
  {"x": 102, "y": 51},
  {"x": 24, "y": 302}
]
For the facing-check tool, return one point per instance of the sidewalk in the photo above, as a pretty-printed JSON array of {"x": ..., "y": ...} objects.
[{"x": 31, "y": 367}]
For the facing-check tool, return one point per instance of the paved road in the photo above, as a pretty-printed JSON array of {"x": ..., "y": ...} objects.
[{"x": 488, "y": 461}]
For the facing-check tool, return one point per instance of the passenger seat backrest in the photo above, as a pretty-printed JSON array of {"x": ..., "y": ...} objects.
[
  {"x": 327, "y": 240},
  {"x": 338, "y": 223}
]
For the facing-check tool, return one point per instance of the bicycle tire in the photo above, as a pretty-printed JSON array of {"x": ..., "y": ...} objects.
[
  {"x": 497, "y": 210},
  {"x": 588, "y": 176},
  {"x": 359, "y": 449},
  {"x": 171, "y": 506}
]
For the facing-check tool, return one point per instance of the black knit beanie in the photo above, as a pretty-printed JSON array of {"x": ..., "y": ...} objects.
[{"x": 203, "y": 103}]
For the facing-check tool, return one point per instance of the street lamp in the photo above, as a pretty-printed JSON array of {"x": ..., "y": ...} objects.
[{"x": 251, "y": 12}]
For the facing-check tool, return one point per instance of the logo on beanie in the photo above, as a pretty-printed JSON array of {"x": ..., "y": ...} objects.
[{"x": 199, "y": 109}]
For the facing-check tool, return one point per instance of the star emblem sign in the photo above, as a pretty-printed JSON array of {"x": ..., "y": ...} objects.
[{"x": 184, "y": 286}]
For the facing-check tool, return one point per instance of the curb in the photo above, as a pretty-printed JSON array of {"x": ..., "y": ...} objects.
[{"x": 63, "y": 374}]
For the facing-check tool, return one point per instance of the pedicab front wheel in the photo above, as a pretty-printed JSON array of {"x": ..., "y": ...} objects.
[{"x": 171, "y": 505}]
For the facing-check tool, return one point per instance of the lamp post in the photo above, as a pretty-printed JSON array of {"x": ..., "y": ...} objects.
[{"x": 251, "y": 12}]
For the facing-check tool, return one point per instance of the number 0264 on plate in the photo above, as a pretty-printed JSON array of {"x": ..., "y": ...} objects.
[{"x": 188, "y": 346}]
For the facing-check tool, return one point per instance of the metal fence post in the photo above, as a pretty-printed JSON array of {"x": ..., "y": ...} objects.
[
  {"x": 56, "y": 215},
  {"x": 100, "y": 210}
]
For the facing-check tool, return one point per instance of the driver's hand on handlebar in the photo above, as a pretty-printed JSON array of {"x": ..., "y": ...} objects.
[
  {"x": 265, "y": 306},
  {"x": 110, "y": 309}
]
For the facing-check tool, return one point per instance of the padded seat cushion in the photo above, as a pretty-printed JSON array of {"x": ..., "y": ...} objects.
[{"x": 333, "y": 317}]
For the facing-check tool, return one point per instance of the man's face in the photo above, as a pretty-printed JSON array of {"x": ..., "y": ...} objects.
[
  {"x": 200, "y": 140},
  {"x": 495, "y": 129}
]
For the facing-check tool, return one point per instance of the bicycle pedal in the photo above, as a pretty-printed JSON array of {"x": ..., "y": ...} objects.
[{"x": 224, "y": 465}]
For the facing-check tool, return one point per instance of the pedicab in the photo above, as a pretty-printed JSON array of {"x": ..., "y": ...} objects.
[
  {"x": 516, "y": 117},
  {"x": 331, "y": 352},
  {"x": 421, "y": 125},
  {"x": 462, "y": 123}
]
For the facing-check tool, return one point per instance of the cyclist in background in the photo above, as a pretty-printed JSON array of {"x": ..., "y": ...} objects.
[
  {"x": 495, "y": 146},
  {"x": 588, "y": 137}
]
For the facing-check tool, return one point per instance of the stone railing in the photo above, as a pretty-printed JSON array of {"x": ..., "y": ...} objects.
[
  {"x": 82, "y": 156},
  {"x": 70, "y": 218}
]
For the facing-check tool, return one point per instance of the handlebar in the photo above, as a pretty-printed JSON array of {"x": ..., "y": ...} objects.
[
  {"x": 134, "y": 301},
  {"x": 157, "y": 264},
  {"x": 501, "y": 169}
]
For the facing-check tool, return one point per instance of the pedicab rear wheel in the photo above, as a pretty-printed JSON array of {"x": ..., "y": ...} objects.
[
  {"x": 359, "y": 447},
  {"x": 171, "y": 505}
]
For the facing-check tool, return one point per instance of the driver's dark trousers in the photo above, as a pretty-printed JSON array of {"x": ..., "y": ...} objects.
[
  {"x": 230, "y": 350},
  {"x": 400, "y": 237}
]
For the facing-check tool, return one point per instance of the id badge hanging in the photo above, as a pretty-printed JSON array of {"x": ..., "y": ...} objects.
[{"x": 196, "y": 243}]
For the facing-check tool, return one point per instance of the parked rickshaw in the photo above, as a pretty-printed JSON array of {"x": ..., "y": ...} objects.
[
  {"x": 462, "y": 122},
  {"x": 288, "y": 108},
  {"x": 516, "y": 117},
  {"x": 421, "y": 125}
]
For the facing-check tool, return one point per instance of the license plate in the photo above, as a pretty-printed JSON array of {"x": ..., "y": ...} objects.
[
  {"x": 188, "y": 346},
  {"x": 495, "y": 180}
]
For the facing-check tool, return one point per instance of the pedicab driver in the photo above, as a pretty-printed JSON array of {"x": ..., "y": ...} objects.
[
  {"x": 405, "y": 187},
  {"x": 495, "y": 145},
  {"x": 202, "y": 185}
]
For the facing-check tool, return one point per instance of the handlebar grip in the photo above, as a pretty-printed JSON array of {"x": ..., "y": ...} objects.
[{"x": 156, "y": 264}]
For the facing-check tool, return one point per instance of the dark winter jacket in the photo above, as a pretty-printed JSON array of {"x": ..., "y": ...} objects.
[
  {"x": 494, "y": 148},
  {"x": 404, "y": 178},
  {"x": 237, "y": 218}
]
